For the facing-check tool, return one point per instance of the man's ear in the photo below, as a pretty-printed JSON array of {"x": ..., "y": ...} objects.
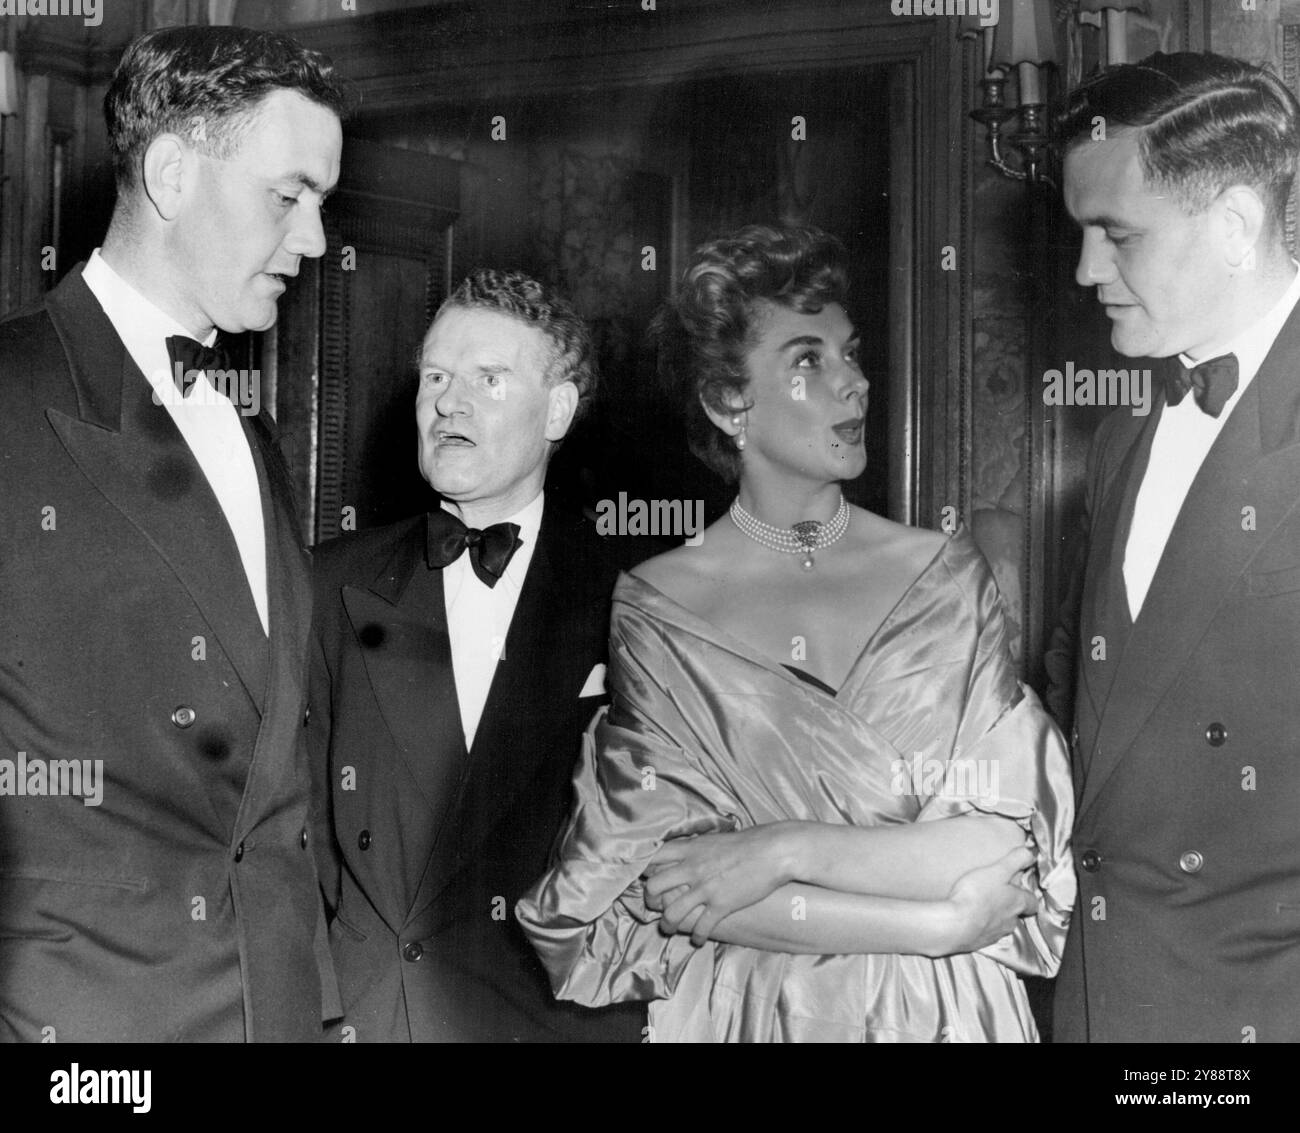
[
  {"x": 164, "y": 173},
  {"x": 1244, "y": 217},
  {"x": 562, "y": 404}
]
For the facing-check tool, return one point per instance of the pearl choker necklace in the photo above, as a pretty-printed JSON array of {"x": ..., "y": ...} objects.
[{"x": 803, "y": 538}]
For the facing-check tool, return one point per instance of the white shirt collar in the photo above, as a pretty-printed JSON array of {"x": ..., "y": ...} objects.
[
  {"x": 142, "y": 327},
  {"x": 1252, "y": 345}
]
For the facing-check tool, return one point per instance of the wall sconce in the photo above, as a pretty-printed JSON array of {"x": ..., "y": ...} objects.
[
  {"x": 1113, "y": 15},
  {"x": 1023, "y": 38}
]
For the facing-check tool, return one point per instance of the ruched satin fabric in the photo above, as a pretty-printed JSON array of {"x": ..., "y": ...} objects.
[{"x": 705, "y": 735}]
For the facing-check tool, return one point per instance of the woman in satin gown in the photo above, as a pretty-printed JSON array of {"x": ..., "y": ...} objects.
[{"x": 821, "y": 806}]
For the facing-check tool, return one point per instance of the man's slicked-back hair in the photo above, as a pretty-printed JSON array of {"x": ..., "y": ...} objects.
[
  {"x": 205, "y": 83},
  {"x": 705, "y": 332},
  {"x": 513, "y": 293},
  {"x": 1205, "y": 122}
]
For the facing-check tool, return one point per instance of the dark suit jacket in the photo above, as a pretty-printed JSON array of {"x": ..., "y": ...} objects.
[
  {"x": 1187, "y": 772},
  {"x": 427, "y": 847},
  {"x": 185, "y": 905}
]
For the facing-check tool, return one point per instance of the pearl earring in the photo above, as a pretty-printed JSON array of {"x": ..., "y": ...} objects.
[{"x": 740, "y": 437}]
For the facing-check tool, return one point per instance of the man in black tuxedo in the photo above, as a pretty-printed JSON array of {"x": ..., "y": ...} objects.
[
  {"x": 153, "y": 590},
  {"x": 1187, "y": 927},
  {"x": 457, "y": 659}
]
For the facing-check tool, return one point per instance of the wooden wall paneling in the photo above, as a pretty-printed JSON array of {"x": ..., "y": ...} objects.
[
  {"x": 295, "y": 354},
  {"x": 462, "y": 53},
  {"x": 373, "y": 320},
  {"x": 387, "y": 268},
  {"x": 333, "y": 395},
  {"x": 34, "y": 172},
  {"x": 904, "y": 453}
]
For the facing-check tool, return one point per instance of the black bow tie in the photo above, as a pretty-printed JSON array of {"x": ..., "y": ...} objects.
[
  {"x": 490, "y": 550},
  {"x": 1214, "y": 381},
  {"x": 188, "y": 355}
]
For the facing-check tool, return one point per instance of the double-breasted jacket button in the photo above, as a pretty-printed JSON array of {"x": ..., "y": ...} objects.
[
  {"x": 306, "y": 716},
  {"x": 302, "y": 838},
  {"x": 1191, "y": 862},
  {"x": 1090, "y": 860},
  {"x": 363, "y": 840},
  {"x": 184, "y": 716},
  {"x": 239, "y": 852},
  {"x": 413, "y": 951},
  {"x": 1216, "y": 734}
]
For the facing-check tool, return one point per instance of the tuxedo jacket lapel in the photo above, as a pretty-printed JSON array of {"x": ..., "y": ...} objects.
[
  {"x": 130, "y": 449},
  {"x": 288, "y": 588},
  {"x": 399, "y": 623},
  {"x": 1105, "y": 599},
  {"x": 288, "y": 593},
  {"x": 1253, "y": 463}
]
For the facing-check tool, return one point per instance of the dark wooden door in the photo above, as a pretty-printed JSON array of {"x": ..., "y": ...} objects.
[{"x": 349, "y": 334}]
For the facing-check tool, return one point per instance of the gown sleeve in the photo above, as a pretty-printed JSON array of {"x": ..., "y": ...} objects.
[
  {"x": 635, "y": 787},
  {"x": 1010, "y": 759}
]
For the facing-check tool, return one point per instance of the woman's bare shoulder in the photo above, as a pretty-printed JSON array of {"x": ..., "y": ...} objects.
[
  {"x": 916, "y": 546},
  {"x": 682, "y": 572}
]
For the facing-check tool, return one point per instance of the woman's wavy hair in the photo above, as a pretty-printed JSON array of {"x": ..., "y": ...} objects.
[
  {"x": 1206, "y": 122},
  {"x": 704, "y": 333}
]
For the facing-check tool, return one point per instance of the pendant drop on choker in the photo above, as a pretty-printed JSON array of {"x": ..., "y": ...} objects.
[{"x": 808, "y": 532}]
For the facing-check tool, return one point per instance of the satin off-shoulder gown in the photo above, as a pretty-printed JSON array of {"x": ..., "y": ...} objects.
[{"x": 704, "y": 734}]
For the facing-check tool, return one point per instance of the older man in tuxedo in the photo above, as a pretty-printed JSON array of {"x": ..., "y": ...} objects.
[
  {"x": 1187, "y": 927},
  {"x": 153, "y": 592},
  {"x": 458, "y": 657}
]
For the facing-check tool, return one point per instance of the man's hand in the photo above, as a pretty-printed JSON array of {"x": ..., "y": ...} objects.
[
  {"x": 697, "y": 881},
  {"x": 987, "y": 903}
]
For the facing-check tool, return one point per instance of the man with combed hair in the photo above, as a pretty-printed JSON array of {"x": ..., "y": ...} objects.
[
  {"x": 1187, "y": 927},
  {"x": 153, "y": 591},
  {"x": 457, "y": 658}
]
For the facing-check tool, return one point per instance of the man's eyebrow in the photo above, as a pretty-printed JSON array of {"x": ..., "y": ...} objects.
[
  {"x": 1103, "y": 221},
  {"x": 483, "y": 368},
  {"x": 309, "y": 182}
]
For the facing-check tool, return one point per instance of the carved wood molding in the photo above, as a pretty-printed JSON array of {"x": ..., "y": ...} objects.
[
  {"x": 461, "y": 51},
  {"x": 332, "y": 404},
  {"x": 419, "y": 235}
]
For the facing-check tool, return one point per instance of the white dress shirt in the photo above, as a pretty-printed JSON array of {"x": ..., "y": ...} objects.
[
  {"x": 207, "y": 419},
  {"x": 478, "y": 616},
  {"x": 1183, "y": 438}
]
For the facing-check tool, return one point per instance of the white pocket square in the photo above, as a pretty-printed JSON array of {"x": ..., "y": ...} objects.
[{"x": 595, "y": 685}]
